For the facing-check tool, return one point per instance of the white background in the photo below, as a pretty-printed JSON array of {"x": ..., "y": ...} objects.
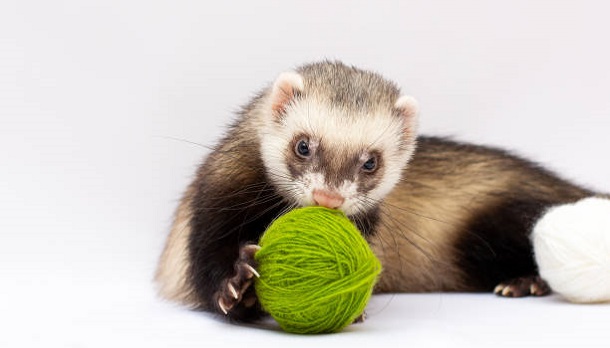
[{"x": 92, "y": 91}]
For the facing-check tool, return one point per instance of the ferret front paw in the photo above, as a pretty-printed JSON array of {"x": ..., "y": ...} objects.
[
  {"x": 523, "y": 286},
  {"x": 233, "y": 290},
  {"x": 360, "y": 319}
]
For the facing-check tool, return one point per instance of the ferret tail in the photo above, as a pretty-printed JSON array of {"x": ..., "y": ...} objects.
[{"x": 172, "y": 275}]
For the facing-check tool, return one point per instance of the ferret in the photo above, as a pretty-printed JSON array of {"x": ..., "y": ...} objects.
[{"x": 441, "y": 215}]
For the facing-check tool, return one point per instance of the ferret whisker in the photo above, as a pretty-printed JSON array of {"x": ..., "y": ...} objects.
[
  {"x": 266, "y": 210},
  {"x": 406, "y": 210},
  {"x": 381, "y": 135},
  {"x": 391, "y": 224},
  {"x": 221, "y": 202},
  {"x": 229, "y": 152},
  {"x": 281, "y": 176},
  {"x": 412, "y": 212},
  {"x": 363, "y": 206},
  {"x": 208, "y": 147},
  {"x": 397, "y": 226},
  {"x": 249, "y": 219}
]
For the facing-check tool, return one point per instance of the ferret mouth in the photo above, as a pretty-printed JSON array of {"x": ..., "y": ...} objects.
[{"x": 346, "y": 208}]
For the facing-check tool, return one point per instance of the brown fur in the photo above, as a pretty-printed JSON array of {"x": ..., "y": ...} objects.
[
  {"x": 334, "y": 83},
  {"x": 445, "y": 187}
]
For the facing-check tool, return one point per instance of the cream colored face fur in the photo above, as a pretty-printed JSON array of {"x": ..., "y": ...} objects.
[{"x": 345, "y": 133}]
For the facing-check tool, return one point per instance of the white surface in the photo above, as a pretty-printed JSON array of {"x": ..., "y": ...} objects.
[{"x": 90, "y": 89}]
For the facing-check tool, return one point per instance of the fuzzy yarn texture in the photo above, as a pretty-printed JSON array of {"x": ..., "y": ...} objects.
[
  {"x": 317, "y": 272},
  {"x": 572, "y": 250}
]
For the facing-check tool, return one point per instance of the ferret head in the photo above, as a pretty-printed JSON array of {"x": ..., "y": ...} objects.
[{"x": 336, "y": 136}]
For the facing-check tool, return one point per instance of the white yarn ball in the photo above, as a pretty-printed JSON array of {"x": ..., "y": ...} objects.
[{"x": 572, "y": 249}]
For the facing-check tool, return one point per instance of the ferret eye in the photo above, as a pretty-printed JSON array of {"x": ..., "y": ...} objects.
[
  {"x": 370, "y": 165},
  {"x": 302, "y": 149}
]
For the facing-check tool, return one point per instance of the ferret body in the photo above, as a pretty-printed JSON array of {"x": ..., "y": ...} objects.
[{"x": 440, "y": 215}]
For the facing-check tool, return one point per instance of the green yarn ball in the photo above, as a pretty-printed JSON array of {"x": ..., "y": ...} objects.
[{"x": 317, "y": 272}]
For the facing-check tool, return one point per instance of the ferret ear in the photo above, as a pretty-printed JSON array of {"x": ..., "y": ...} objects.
[
  {"x": 285, "y": 88},
  {"x": 408, "y": 108}
]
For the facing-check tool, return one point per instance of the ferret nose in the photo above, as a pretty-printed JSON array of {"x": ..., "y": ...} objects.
[{"x": 327, "y": 199}]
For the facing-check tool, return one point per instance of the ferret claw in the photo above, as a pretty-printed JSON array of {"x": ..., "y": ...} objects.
[
  {"x": 236, "y": 289},
  {"x": 360, "y": 319},
  {"x": 233, "y": 291},
  {"x": 254, "y": 272},
  {"x": 523, "y": 286},
  {"x": 222, "y": 306}
]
